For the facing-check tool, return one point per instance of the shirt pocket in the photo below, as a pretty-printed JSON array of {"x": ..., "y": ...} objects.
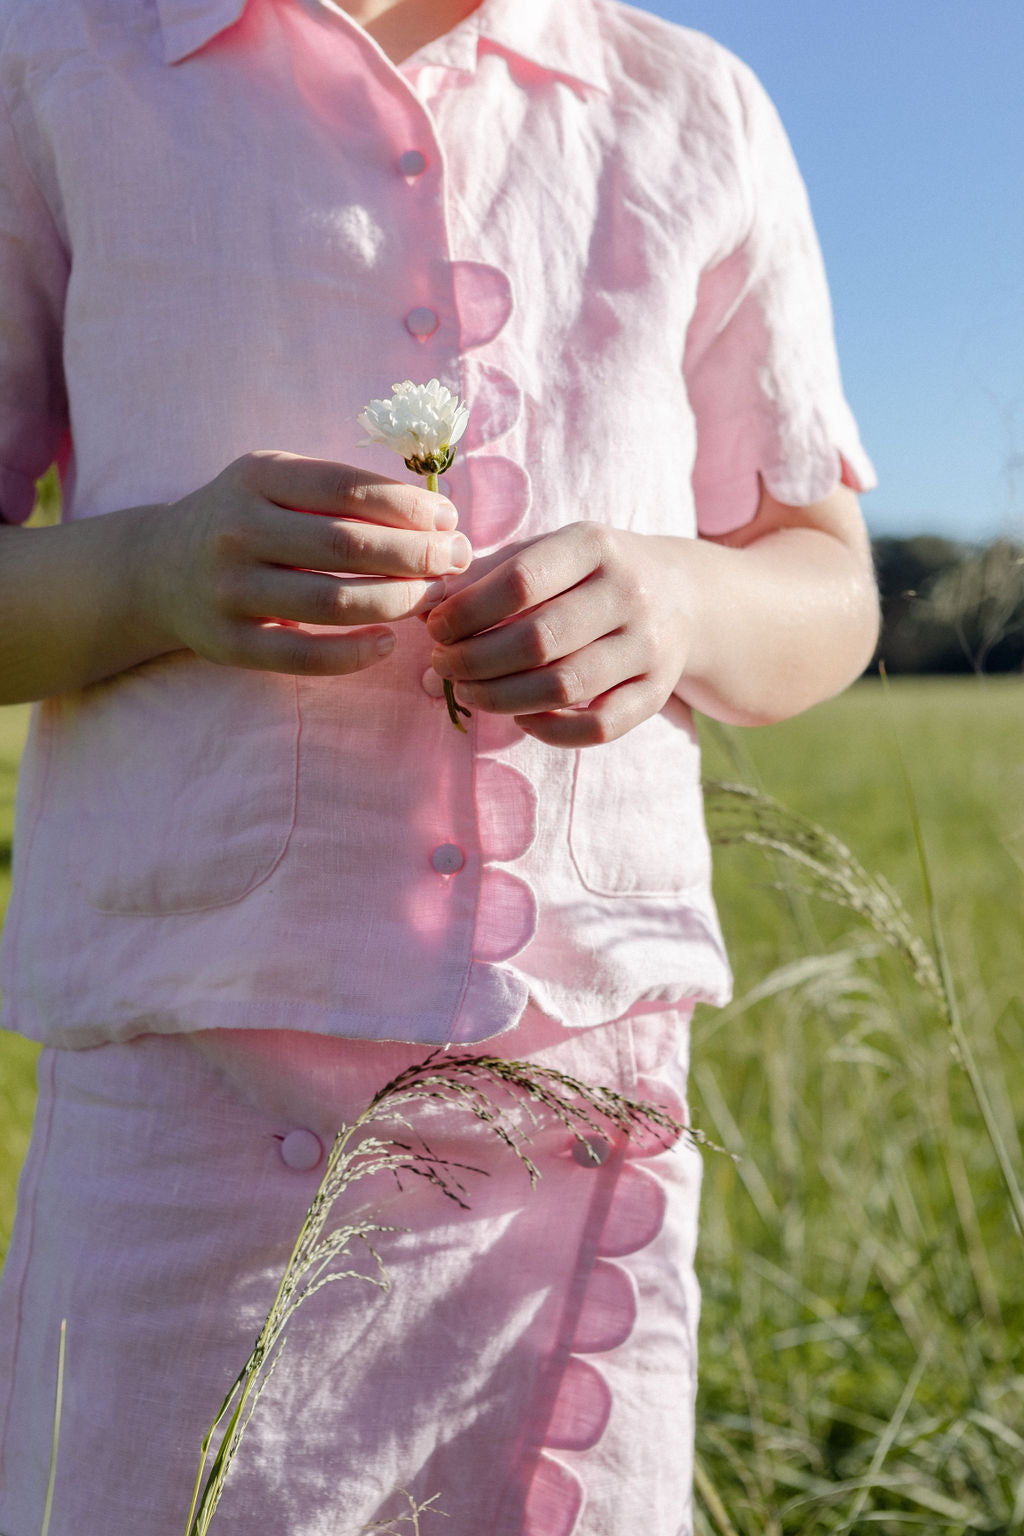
[
  {"x": 636, "y": 820},
  {"x": 176, "y": 784}
]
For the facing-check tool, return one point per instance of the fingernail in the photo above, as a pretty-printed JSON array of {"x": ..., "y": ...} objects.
[
  {"x": 440, "y": 664},
  {"x": 385, "y": 645},
  {"x": 435, "y": 591},
  {"x": 446, "y": 518},
  {"x": 440, "y": 629},
  {"x": 461, "y": 552}
]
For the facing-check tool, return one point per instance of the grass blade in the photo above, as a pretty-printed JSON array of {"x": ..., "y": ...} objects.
[
  {"x": 949, "y": 998},
  {"x": 58, "y": 1406}
]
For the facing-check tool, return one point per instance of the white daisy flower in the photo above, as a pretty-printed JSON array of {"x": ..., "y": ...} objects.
[{"x": 422, "y": 422}]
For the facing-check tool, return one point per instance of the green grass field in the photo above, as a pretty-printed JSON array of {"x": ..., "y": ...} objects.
[
  {"x": 862, "y": 1358},
  {"x": 17, "y": 1057}
]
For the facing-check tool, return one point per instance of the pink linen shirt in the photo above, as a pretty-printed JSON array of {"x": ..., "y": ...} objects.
[{"x": 225, "y": 225}]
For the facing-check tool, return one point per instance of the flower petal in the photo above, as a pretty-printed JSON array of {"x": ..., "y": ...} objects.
[{"x": 419, "y": 421}]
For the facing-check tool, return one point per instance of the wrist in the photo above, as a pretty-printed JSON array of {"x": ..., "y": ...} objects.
[
  {"x": 680, "y": 566},
  {"x": 150, "y": 581}
]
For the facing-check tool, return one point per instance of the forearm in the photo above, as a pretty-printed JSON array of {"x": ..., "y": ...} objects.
[
  {"x": 233, "y": 572},
  {"x": 76, "y": 604},
  {"x": 778, "y": 625}
]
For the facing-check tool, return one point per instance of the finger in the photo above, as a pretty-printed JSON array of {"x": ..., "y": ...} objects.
[
  {"x": 606, "y": 719},
  {"x": 482, "y": 564},
  {"x": 341, "y": 490},
  {"x": 557, "y": 628},
  {"x": 532, "y": 575},
  {"x": 271, "y": 647},
  {"x": 311, "y": 597},
  {"x": 285, "y": 538},
  {"x": 570, "y": 681}
]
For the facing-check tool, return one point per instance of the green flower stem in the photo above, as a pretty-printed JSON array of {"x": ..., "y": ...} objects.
[{"x": 455, "y": 709}]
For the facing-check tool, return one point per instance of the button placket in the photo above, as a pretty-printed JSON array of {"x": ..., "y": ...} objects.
[{"x": 422, "y": 321}]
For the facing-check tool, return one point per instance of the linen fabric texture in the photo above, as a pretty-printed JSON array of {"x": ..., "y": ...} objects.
[
  {"x": 213, "y": 239},
  {"x": 514, "y": 1369}
]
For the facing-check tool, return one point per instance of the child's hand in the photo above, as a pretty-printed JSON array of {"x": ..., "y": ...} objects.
[
  {"x": 584, "y": 633},
  {"x": 590, "y": 615},
  {"x": 242, "y": 564}
]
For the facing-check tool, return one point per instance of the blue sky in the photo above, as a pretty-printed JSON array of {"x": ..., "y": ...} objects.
[{"x": 907, "y": 118}]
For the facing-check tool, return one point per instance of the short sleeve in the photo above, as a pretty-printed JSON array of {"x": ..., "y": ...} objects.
[
  {"x": 761, "y": 367},
  {"x": 33, "y": 281}
]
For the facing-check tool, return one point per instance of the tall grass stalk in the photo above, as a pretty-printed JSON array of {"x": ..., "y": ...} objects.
[
  {"x": 824, "y": 867},
  {"x": 886, "y": 1442},
  {"x": 58, "y": 1408},
  {"x": 827, "y": 869},
  {"x": 949, "y": 1000},
  {"x": 486, "y": 1087},
  {"x": 836, "y": 1424},
  {"x": 712, "y": 1503},
  {"x": 410, "y": 1516}
]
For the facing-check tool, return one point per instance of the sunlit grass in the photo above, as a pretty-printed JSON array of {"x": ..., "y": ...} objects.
[
  {"x": 17, "y": 1057},
  {"x": 862, "y": 1362}
]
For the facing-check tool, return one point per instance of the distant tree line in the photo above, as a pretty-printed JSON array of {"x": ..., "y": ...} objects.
[{"x": 950, "y": 607}]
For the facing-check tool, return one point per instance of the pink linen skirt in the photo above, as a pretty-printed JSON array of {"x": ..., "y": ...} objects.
[{"x": 532, "y": 1364}]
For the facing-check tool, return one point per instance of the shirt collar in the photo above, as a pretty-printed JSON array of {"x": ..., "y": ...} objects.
[
  {"x": 188, "y": 25},
  {"x": 560, "y": 37}
]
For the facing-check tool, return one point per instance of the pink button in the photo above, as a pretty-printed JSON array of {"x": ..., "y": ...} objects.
[
  {"x": 591, "y": 1152},
  {"x": 432, "y": 684},
  {"x": 421, "y": 322},
  {"x": 301, "y": 1150},
  {"x": 412, "y": 163},
  {"x": 448, "y": 859}
]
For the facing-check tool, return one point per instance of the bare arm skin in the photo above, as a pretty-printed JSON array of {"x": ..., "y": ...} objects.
[
  {"x": 750, "y": 628},
  {"x": 211, "y": 573}
]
